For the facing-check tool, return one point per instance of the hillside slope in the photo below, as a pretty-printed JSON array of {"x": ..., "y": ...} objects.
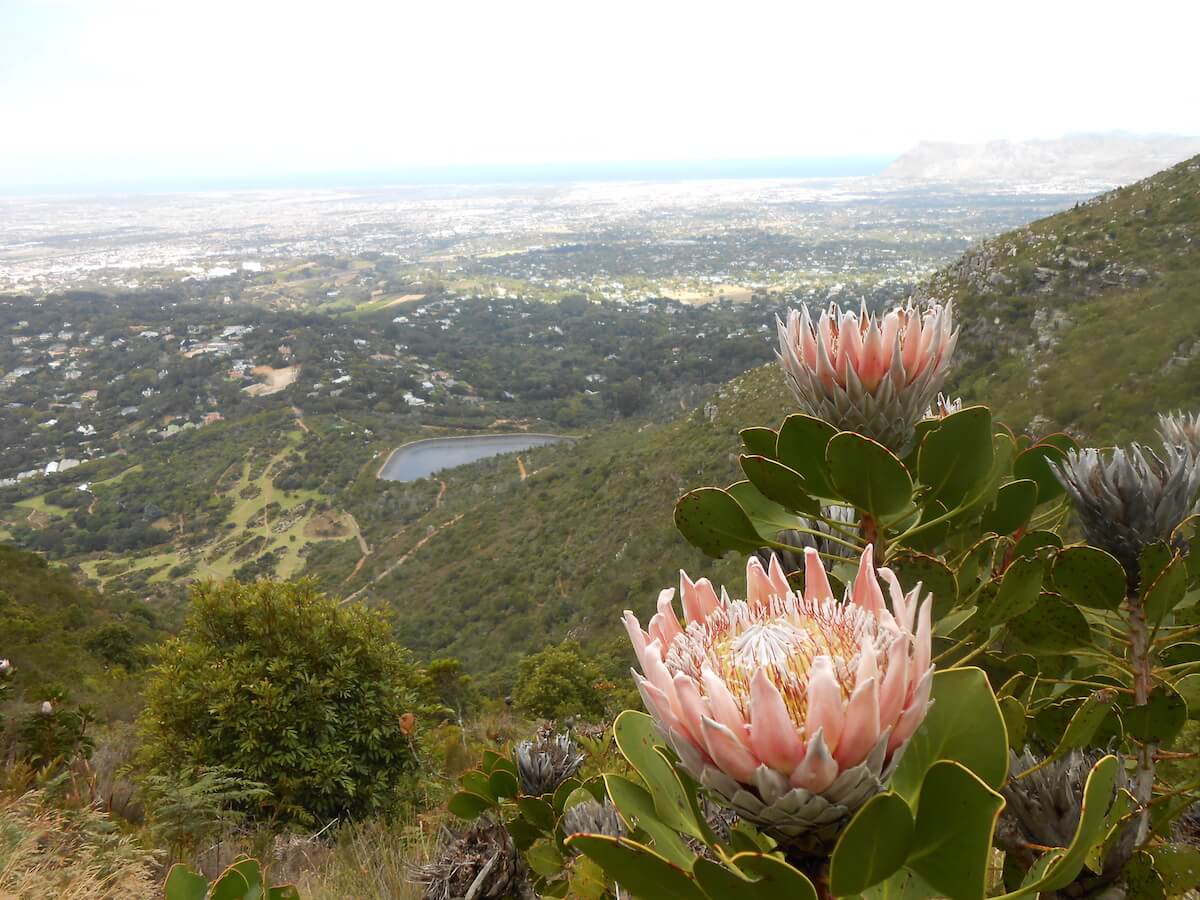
[{"x": 1088, "y": 320}]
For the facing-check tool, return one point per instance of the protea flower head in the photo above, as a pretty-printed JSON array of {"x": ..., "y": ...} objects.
[
  {"x": 875, "y": 377},
  {"x": 47, "y": 708},
  {"x": 1181, "y": 430},
  {"x": 5, "y": 667},
  {"x": 1042, "y": 809},
  {"x": 943, "y": 406},
  {"x": 544, "y": 764},
  {"x": 1127, "y": 498},
  {"x": 591, "y": 817},
  {"x": 794, "y": 708}
]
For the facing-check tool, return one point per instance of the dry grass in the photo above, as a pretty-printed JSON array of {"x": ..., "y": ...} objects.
[
  {"x": 371, "y": 859},
  {"x": 46, "y": 852}
]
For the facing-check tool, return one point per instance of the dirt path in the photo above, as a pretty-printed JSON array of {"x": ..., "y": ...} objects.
[
  {"x": 405, "y": 558},
  {"x": 298, "y": 413},
  {"x": 363, "y": 548},
  {"x": 521, "y": 468},
  {"x": 441, "y": 494}
]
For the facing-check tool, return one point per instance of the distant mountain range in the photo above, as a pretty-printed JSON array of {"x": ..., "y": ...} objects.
[{"x": 1085, "y": 162}]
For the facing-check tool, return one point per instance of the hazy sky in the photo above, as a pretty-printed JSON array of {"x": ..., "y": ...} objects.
[{"x": 94, "y": 90}]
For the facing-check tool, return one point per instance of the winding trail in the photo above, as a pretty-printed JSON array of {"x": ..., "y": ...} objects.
[
  {"x": 403, "y": 559},
  {"x": 441, "y": 493},
  {"x": 299, "y": 414},
  {"x": 521, "y": 468},
  {"x": 363, "y": 548}
]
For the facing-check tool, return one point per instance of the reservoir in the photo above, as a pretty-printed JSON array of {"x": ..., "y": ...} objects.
[{"x": 420, "y": 459}]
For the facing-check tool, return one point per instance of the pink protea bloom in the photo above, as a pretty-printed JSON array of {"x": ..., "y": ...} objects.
[
  {"x": 876, "y": 377},
  {"x": 794, "y": 708}
]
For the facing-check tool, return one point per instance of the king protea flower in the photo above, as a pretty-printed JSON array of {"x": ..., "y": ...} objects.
[
  {"x": 793, "y": 708},
  {"x": 874, "y": 377}
]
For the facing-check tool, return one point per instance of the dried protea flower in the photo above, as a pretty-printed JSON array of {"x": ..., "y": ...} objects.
[
  {"x": 544, "y": 764},
  {"x": 591, "y": 817},
  {"x": 1043, "y": 808},
  {"x": 1181, "y": 430},
  {"x": 481, "y": 862},
  {"x": 874, "y": 377},
  {"x": 829, "y": 550},
  {"x": 794, "y": 709},
  {"x": 1127, "y": 498},
  {"x": 943, "y": 407}
]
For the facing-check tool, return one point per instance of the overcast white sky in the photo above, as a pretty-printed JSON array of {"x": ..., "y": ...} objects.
[{"x": 120, "y": 89}]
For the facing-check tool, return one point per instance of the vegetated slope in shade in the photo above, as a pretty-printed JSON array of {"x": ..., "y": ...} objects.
[
  {"x": 564, "y": 551},
  {"x": 1088, "y": 320}
]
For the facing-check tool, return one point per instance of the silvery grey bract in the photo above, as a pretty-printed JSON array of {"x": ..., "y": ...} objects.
[
  {"x": 591, "y": 817},
  {"x": 544, "y": 764},
  {"x": 1043, "y": 808},
  {"x": 1127, "y": 498},
  {"x": 1181, "y": 430}
]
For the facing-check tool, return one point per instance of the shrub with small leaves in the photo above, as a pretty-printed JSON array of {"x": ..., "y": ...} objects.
[
  {"x": 558, "y": 682},
  {"x": 292, "y": 690}
]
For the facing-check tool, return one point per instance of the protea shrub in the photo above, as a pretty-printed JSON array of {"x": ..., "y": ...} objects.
[
  {"x": 793, "y": 707},
  {"x": 544, "y": 764},
  {"x": 876, "y": 377}
]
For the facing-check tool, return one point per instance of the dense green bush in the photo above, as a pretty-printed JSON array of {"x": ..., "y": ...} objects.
[
  {"x": 560, "y": 681},
  {"x": 291, "y": 689}
]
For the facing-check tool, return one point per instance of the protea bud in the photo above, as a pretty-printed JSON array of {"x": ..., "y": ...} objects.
[
  {"x": 47, "y": 708},
  {"x": 544, "y": 764},
  {"x": 481, "y": 862},
  {"x": 794, "y": 709},
  {"x": 1042, "y": 810},
  {"x": 874, "y": 377},
  {"x": 590, "y": 817},
  {"x": 5, "y": 667},
  {"x": 1127, "y": 498},
  {"x": 1181, "y": 430}
]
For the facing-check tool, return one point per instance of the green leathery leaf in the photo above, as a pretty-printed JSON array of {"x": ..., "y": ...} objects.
[
  {"x": 1168, "y": 588},
  {"x": 477, "y": 783},
  {"x": 283, "y": 892},
  {"x": 712, "y": 520},
  {"x": 1188, "y": 687},
  {"x": 779, "y": 483},
  {"x": 230, "y": 885},
  {"x": 563, "y": 793},
  {"x": 1152, "y": 561},
  {"x": 1141, "y": 880},
  {"x": 801, "y": 446},
  {"x": 1160, "y": 720},
  {"x": 868, "y": 475},
  {"x": 777, "y": 879},
  {"x": 956, "y": 456},
  {"x": 1032, "y": 541},
  {"x": 1016, "y": 593},
  {"x": 1179, "y": 867},
  {"x": 638, "y": 741},
  {"x": 184, "y": 884},
  {"x": 1052, "y": 626},
  {"x": 636, "y": 807},
  {"x": 759, "y": 441},
  {"x": 543, "y": 857},
  {"x": 767, "y": 516},
  {"x": 467, "y": 805},
  {"x": 1015, "y": 503},
  {"x": 976, "y": 564},
  {"x": 1087, "y": 576},
  {"x": 1179, "y": 654},
  {"x": 964, "y": 724},
  {"x": 873, "y": 846},
  {"x": 1097, "y": 797},
  {"x": 1032, "y": 464},
  {"x": 503, "y": 783},
  {"x": 952, "y": 837},
  {"x": 637, "y": 868},
  {"x": 537, "y": 812},
  {"x": 1015, "y": 725},
  {"x": 904, "y": 885},
  {"x": 1085, "y": 721},
  {"x": 250, "y": 870},
  {"x": 934, "y": 575}
]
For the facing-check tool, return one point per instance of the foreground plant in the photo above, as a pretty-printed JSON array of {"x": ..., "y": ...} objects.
[
  {"x": 795, "y": 708},
  {"x": 876, "y": 377}
]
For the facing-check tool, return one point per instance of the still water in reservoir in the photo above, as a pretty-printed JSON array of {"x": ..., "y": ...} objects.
[{"x": 422, "y": 458}]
